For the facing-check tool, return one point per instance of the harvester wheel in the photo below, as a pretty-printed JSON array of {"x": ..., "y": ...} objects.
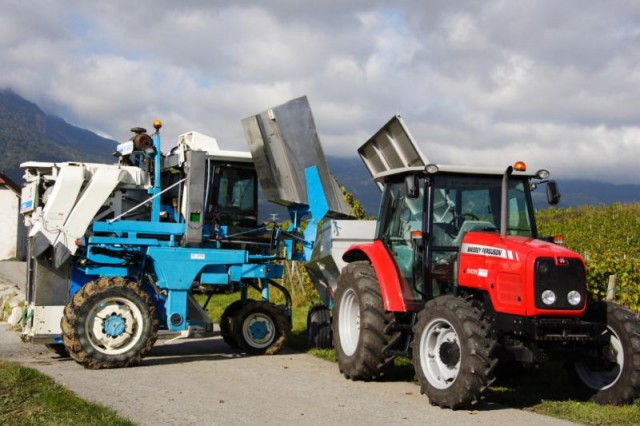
[
  {"x": 359, "y": 322},
  {"x": 614, "y": 376},
  {"x": 109, "y": 323},
  {"x": 261, "y": 327},
  {"x": 453, "y": 352},
  {"x": 226, "y": 323},
  {"x": 319, "y": 327}
]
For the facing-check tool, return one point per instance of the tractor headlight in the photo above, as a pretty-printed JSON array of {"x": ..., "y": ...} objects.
[
  {"x": 548, "y": 297},
  {"x": 431, "y": 168},
  {"x": 574, "y": 298}
]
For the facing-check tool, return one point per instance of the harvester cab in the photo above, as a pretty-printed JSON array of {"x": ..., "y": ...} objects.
[{"x": 116, "y": 251}]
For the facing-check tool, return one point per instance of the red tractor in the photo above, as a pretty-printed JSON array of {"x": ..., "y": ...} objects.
[{"x": 458, "y": 279}]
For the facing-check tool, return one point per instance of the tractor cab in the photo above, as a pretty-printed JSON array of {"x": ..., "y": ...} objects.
[{"x": 427, "y": 210}]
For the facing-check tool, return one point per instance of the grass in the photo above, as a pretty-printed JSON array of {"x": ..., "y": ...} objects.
[
  {"x": 28, "y": 397},
  {"x": 547, "y": 390}
]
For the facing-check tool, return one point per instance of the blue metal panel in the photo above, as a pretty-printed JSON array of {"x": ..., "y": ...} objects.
[
  {"x": 110, "y": 271},
  {"x": 110, "y": 255},
  {"x": 319, "y": 206},
  {"x": 214, "y": 278},
  {"x": 140, "y": 227},
  {"x": 132, "y": 242},
  {"x": 78, "y": 279},
  {"x": 256, "y": 271},
  {"x": 177, "y": 268},
  {"x": 157, "y": 185},
  {"x": 175, "y": 305}
]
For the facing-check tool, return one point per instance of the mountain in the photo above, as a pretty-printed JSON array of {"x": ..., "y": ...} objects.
[
  {"x": 579, "y": 192},
  {"x": 29, "y": 134},
  {"x": 351, "y": 173}
]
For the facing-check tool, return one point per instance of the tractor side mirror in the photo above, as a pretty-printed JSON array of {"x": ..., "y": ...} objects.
[
  {"x": 553, "y": 193},
  {"x": 411, "y": 186}
]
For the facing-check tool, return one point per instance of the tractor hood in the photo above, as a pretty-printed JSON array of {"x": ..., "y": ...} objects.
[{"x": 523, "y": 276}]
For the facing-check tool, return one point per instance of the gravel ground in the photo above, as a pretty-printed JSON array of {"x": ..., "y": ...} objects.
[{"x": 202, "y": 381}]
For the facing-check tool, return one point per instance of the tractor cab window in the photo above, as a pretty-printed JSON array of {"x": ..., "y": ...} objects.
[
  {"x": 472, "y": 203},
  {"x": 400, "y": 216},
  {"x": 464, "y": 203}
]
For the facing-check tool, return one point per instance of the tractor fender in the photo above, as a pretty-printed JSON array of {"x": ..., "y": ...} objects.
[{"x": 393, "y": 287}]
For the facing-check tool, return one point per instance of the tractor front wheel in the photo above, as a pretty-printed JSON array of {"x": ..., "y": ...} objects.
[
  {"x": 612, "y": 377},
  {"x": 109, "y": 323},
  {"x": 453, "y": 352}
]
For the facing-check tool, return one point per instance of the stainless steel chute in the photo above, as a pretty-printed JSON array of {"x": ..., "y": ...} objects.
[{"x": 284, "y": 142}]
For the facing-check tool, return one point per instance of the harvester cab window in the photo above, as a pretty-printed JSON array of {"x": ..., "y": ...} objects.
[{"x": 236, "y": 200}]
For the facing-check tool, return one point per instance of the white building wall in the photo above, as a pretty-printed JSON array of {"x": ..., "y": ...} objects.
[{"x": 9, "y": 204}]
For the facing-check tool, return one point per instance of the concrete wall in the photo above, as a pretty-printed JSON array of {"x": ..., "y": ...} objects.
[{"x": 9, "y": 207}]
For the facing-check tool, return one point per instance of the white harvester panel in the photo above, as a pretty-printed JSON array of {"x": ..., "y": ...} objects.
[
  {"x": 46, "y": 320},
  {"x": 102, "y": 183},
  {"x": 200, "y": 142},
  {"x": 61, "y": 201}
]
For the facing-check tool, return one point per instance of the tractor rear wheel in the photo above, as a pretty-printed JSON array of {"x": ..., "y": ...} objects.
[
  {"x": 359, "y": 323},
  {"x": 319, "y": 327},
  {"x": 260, "y": 327},
  {"x": 614, "y": 376},
  {"x": 109, "y": 323},
  {"x": 453, "y": 352}
]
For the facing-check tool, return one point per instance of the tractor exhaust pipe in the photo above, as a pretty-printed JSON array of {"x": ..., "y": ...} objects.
[{"x": 504, "y": 205}]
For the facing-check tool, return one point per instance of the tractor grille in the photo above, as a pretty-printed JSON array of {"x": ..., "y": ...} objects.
[{"x": 561, "y": 278}]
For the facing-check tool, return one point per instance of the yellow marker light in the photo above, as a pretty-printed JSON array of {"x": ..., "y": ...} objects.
[
  {"x": 520, "y": 166},
  {"x": 157, "y": 124}
]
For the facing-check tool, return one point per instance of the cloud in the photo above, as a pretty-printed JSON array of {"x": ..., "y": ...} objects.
[{"x": 554, "y": 84}]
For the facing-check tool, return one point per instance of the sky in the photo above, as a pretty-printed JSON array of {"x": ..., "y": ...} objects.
[{"x": 485, "y": 83}]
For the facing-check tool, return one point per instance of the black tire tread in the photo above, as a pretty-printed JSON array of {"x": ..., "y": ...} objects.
[
  {"x": 319, "y": 334},
  {"x": 478, "y": 352},
  {"x": 627, "y": 326},
  {"x": 74, "y": 311},
  {"x": 369, "y": 362},
  {"x": 279, "y": 318},
  {"x": 226, "y": 323}
]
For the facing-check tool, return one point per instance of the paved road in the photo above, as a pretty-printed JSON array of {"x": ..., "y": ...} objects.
[
  {"x": 201, "y": 381},
  {"x": 13, "y": 272}
]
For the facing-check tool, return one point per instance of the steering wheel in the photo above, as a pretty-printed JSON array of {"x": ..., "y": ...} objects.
[{"x": 458, "y": 220}]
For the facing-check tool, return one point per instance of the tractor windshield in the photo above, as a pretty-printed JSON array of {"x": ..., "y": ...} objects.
[{"x": 463, "y": 203}]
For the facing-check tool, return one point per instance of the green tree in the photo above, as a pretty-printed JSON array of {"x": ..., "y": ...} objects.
[{"x": 358, "y": 210}]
